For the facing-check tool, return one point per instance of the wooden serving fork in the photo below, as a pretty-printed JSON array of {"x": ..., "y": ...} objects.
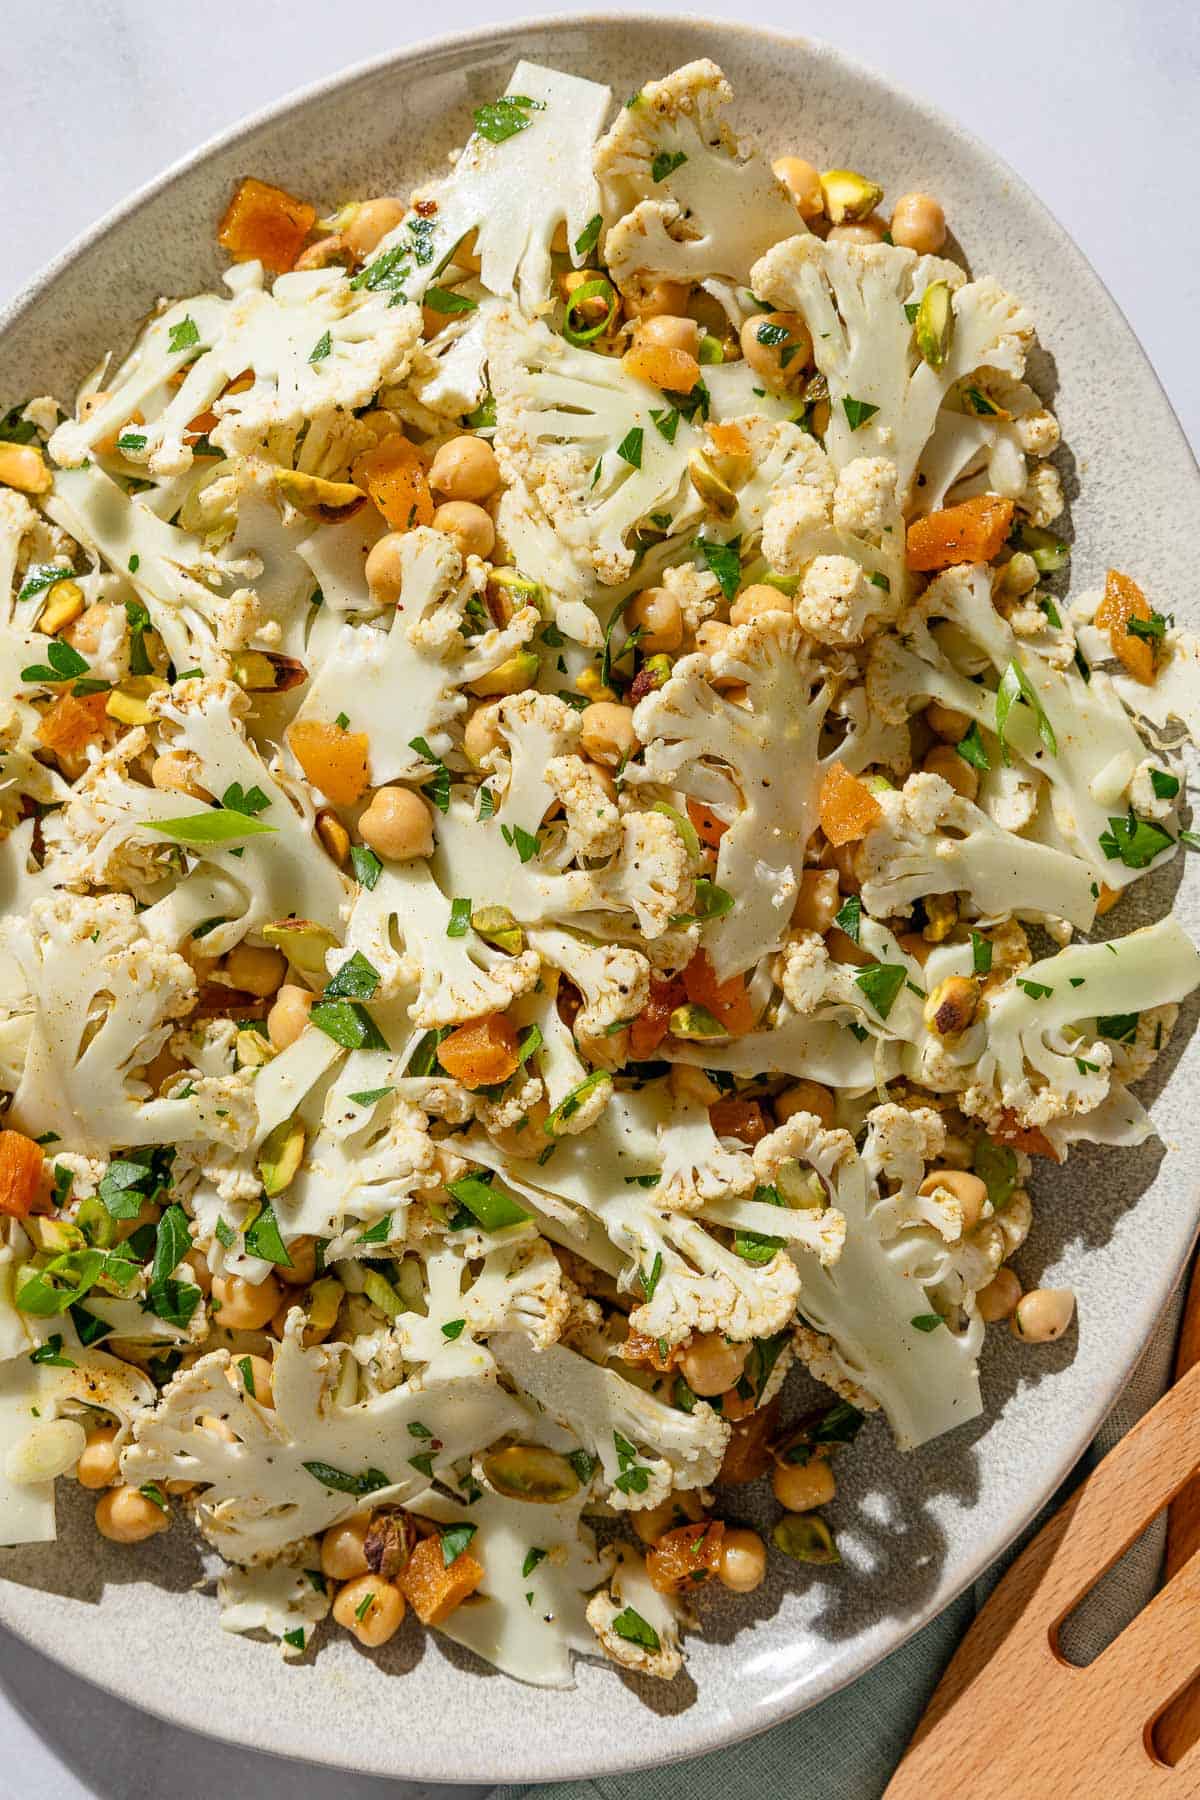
[{"x": 1011, "y": 1715}]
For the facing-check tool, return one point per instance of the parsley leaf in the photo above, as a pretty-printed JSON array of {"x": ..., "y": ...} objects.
[
  {"x": 1135, "y": 842},
  {"x": 1015, "y": 685},
  {"x": 857, "y": 411},
  {"x": 501, "y": 119},
  {"x": 724, "y": 561},
  {"x": 880, "y": 984},
  {"x": 630, "y": 447},
  {"x": 972, "y": 750},
  {"x": 184, "y": 335},
  {"x": 589, "y": 237},
  {"x": 666, "y": 163}
]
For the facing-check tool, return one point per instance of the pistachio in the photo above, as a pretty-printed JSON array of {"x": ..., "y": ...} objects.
[
  {"x": 805, "y": 1537},
  {"x": 716, "y": 493},
  {"x": 63, "y": 607},
  {"x": 390, "y": 1541},
  {"x": 280, "y": 1156},
  {"x": 251, "y": 1049},
  {"x": 849, "y": 195},
  {"x": 128, "y": 703},
  {"x": 324, "y": 1299},
  {"x": 507, "y": 589},
  {"x": 317, "y": 498},
  {"x": 654, "y": 673},
  {"x": 951, "y": 1006},
  {"x": 54, "y": 1236},
  {"x": 514, "y": 674},
  {"x": 941, "y": 916},
  {"x": 496, "y": 925},
  {"x": 304, "y": 943},
  {"x": 530, "y": 1472},
  {"x": 253, "y": 671},
  {"x": 695, "y": 1023},
  {"x": 935, "y": 324}
]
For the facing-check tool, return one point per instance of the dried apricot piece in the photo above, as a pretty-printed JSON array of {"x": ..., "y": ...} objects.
[
  {"x": 974, "y": 531},
  {"x": 847, "y": 808},
  {"x": 653, "y": 1022},
  {"x": 747, "y": 1454},
  {"x": 709, "y": 829},
  {"x": 728, "y": 1000},
  {"x": 687, "y": 1557},
  {"x": 1124, "y": 600},
  {"x": 741, "y": 1119},
  {"x": 21, "y": 1166},
  {"x": 333, "y": 760},
  {"x": 480, "y": 1053},
  {"x": 662, "y": 367},
  {"x": 393, "y": 473},
  {"x": 265, "y": 224},
  {"x": 71, "y": 724},
  {"x": 433, "y": 1587}
]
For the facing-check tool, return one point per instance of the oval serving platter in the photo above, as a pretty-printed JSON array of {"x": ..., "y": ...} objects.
[{"x": 1115, "y": 1225}]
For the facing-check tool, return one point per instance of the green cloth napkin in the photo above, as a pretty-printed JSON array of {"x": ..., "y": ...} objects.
[{"x": 848, "y": 1747}]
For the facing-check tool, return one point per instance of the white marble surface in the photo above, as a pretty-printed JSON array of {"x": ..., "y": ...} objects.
[{"x": 1093, "y": 101}]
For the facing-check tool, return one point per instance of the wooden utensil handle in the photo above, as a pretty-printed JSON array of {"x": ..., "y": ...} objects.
[
  {"x": 1011, "y": 1715},
  {"x": 1179, "y": 1727}
]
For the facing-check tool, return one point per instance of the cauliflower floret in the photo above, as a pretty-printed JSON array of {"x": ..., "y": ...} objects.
[
  {"x": 102, "y": 999},
  {"x": 613, "y": 979},
  {"x": 864, "y": 500},
  {"x": 593, "y": 820},
  {"x": 836, "y": 600},
  {"x": 695, "y": 590},
  {"x": 931, "y": 840},
  {"x": 714, "y": 209},
  {"x": 803, "y": 971},
  {"x": 1042, "y": 499},
  {"x": 536, "y": 729},
  {"x": 638, "y": 1627},
  {"x": 278, "y": 1597},
  {"x": 794, "y": 514},
  {"x": 696, "y": 1166}
]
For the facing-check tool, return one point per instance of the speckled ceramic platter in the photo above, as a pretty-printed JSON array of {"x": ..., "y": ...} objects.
[{"x": 1116, "y": 1226}]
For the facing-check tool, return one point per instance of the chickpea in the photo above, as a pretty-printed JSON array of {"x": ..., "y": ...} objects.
[
  {"x": 947, "y": 722},
  {"x": 967, "y": 1189},
  {"x": 671, "y": 332},
  {"x": 858, "y": 231},
  {"x": 482, "y": 733},
  {"x": 606, "y": 732},
  {"x": 326, "y": 250},
  {"x": 397, "y": 825},
  {"x": 200, "y": 1272},
  {"x": 289, "y": 1015},
  {"x": 918, "y": 223},
  {"x": 260, "y": 1386},
  {"x": 370, "y": 222},
  {"x": 951, "y": 1006},
  {"x": 85, "y": 633},
  {"x": 710, "y": 1365},
  {"x": 303, "y": 1252},
  {"x": 656, "y": 300},
  {"x": 743, "y": 1562},
  {"x": 945, "y": 761},
  {"x": 99, "y": 1464},
  {"x": 1000, "y": 1298},
  {"x": 759, "y": 598},
  {"x": 384, "y": 568},
  {"x": 242, "y": 1305},
  {"x": 766, "y": 357},
  {"x": 914, "y": 945},
  {"x": 806, "y": 1097},
  {"x": 656, "y": 611},
  {"x": 381, "y": 1605},
  {"x": 255, "y": 970},
  {"x": 342, "y": 1553},
  {"x": 711, "y": 636},
  {"x": 127, "y": 1517},
  {"x": 802, "y": 182},
  {"x": 801, "y": 1486},
  {"x": 655, "y": 1521},
  {"x": 818, "y": 901},
  {"x": 174, "y": 772},
  {"x": 469, "y": 526},
  {"x": 465, "y": 469},
  {"x": 1043, "y": 1315}
]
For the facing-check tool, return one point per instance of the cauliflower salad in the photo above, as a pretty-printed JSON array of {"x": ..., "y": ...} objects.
[{"x": 555, "y": 821}]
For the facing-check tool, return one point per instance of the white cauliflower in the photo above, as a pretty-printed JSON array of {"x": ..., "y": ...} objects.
[
  {"x": 683, "y": 198},
  {"x": 286, "y": 1597},
  {"x": 613, "y": 979},
  {"x": 593, "y": 820},
  {"x": 537, "y": 730},
  {"x": 598, "y": 449},
  {"x": 931, "y": 840},
  {"x": 637, "y": 1625},
  {"x": 101, "y": 1000},
  {"x": 884, "y": 397}
]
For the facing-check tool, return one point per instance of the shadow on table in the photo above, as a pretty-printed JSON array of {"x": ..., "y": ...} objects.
[{"x": 117, "y": 1752}]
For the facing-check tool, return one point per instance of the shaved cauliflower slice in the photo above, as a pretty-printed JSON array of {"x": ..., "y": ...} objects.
[
  {"x": 931, "y": 840},
  {"x": 102, "y": 999},
  {"x": 579, "y": 432},
  {"x": 696, "y": 1166},
  {"x": 648, "y": 1644},
  {"x": 422, "y": 655},
  {"x": 512, "y": 192},
  {"x": 853, "y": 299},
  {"x": 264, "y": 1490},
  {"x": 953, "y": 634},
  {"x": 684, "y": 199},
  {"x": 370, "y": 343},
  {"x": 287, "y": 1597},
  {"x": 761, "y": 761},
  {"x": 456, "y": 978},
  {"x": 598, "y": 1406}
]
